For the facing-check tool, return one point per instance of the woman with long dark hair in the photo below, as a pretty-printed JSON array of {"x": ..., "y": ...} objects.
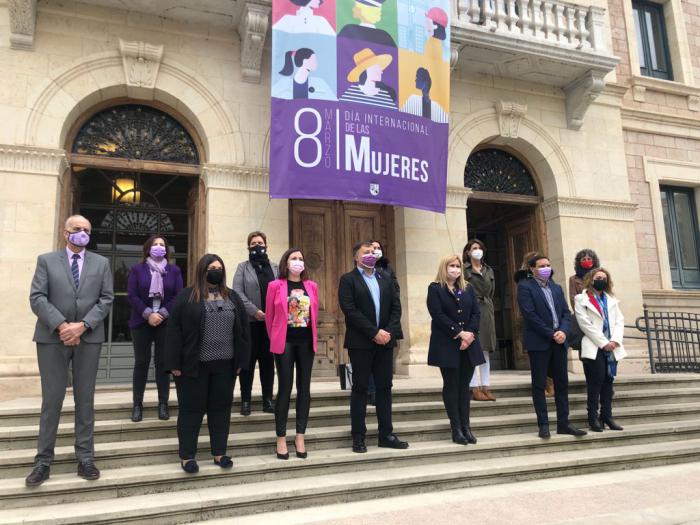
[
  {"x": 300, "y": 64},
  {"x": 291, "y": 319},
  {"x": 152, "y": 287},
  {"x": 208, "y": 344}
]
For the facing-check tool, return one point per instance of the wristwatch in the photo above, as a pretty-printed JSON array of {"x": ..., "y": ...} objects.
[{"x": 87, "y": 326}]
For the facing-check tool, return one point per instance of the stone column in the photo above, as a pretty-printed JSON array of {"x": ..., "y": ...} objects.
[
  {"x": 422, "y": 239},
  {"x": 30, "y": 187}
]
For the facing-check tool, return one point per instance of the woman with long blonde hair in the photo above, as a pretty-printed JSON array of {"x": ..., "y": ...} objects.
[{"x": 454, "y": 346}]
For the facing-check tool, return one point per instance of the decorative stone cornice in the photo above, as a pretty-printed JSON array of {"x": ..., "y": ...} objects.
[
  {"x": 22, "y": 24},
  {"x": 252, "y": 30},
  {"x": 141, "y": 63},
  {"x": 454, "y": 55},
  {"x": 580, "y": 94},
  {"x": 227, "y": 177},
  {"x": 640, "y": 84},
  {"x": 661, "y": 123},
  {"x": 509, "y": 116},
  {"x": 588, "y": 209},
  {"x": 457, "y": 197},
  {"x": 35, "y": 161}
]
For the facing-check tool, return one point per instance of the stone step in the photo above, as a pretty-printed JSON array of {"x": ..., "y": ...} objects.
[
  {"x": 153, "y": 451},
  {"x": 18, "y": 437},
  {"x": 24, "y": 414},
  {"x": 168, "y": 477},
  {"x": 349, "y": 484}
]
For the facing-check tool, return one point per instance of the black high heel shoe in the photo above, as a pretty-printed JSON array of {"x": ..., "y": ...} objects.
[
  {"x": 282, "y": 456},
  {"x": 190, "y": 466},
  {"x": 611, "y": 423},
  {"x": 224, "y": 462}
]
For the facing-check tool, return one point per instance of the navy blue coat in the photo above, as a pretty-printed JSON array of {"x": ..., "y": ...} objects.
[
  {"x": 451, "y": 314},
  {"x": 538, "y": 330}
]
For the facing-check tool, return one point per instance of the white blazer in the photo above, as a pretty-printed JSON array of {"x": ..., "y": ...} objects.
[{"x": 590, "y": 321}]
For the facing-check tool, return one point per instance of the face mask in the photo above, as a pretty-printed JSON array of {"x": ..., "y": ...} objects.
[
  {"x": 296, "y": 267},
  {"x": 368, "y": 260},
  {"x": 477, "y": 254},
  {"x": 586, "y": 265},
  {"x": 215, "y": 276},
  {"x": 157, "y": 252},
  {"x": 258, "y": 252},
  {"x": 600, "y": 284},
  {"x": 378, "y": 254},
  {"x": 80, "y": 238},
  {"x": 544, "y": 273},
  {"x": 454, "y": 273}
]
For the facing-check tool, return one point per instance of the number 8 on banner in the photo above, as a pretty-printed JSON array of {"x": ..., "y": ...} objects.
[{"x": 313, "y": 136}]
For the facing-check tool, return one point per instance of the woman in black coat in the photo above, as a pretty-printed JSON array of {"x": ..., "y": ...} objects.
[
  {"x": 208, "y": 343},
  {"x": 454, "y": 346}
]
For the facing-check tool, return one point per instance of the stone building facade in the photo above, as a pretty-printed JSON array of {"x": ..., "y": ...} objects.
[{"x": 554, "y": 97}]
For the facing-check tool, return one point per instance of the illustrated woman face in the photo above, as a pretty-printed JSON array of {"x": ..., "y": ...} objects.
[
  {"x": 374, "y": 73},
  {"x": 315, "y": 4},
  {"x": 310, "y": 64},
  {"x": 429, "y": 26}
]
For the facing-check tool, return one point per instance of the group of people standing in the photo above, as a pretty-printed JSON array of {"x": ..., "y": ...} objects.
[{"x": 207, "y": 334}]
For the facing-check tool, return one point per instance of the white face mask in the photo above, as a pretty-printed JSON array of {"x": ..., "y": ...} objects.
[
  {"x": 477, "y": 254},
  {"x": 454, "y": 273},
  {"x": 378, "y": 254}
]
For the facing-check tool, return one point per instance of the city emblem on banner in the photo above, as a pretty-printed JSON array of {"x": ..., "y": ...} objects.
[{"x": 360, "y": 101}]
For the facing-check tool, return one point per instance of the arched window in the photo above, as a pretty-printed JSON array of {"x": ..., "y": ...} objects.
[
  {"x": 497, "y": 171},
  {"x": 132, "y": 131}
]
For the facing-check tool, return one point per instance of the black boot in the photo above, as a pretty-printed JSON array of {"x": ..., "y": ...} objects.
[
  {"x": 458, "y": 437},
  {"x": 611, "y": 423},
  {"x": 471, "y": 438},
  {"x": 245, "y": 408},
  {"x": 594, "y": 423},
  {"x": 163, "y": 413},
  {"x": 137, "y": 412},
  {"x": 267, "y": 405}
]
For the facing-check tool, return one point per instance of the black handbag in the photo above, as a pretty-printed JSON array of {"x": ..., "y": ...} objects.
[{"x": 575, "y": 337}]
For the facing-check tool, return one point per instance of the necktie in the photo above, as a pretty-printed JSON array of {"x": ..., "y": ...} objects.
[{"x": 75, "y": 270}]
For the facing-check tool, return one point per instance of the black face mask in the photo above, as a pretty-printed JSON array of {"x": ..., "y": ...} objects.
[
  {"x": 215, "y": 276},
  {"x": 600, "y": 284},
  {"x": 257, "y": 254}
]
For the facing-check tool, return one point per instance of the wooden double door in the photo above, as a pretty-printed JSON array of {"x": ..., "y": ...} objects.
[{"x": 326, "y": 231}]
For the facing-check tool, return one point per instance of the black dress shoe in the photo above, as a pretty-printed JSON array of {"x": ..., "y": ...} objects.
[
  {"x": 224, "y": 462},
  {"x": 471, "y": 438},
  {"x": 190, "y": 466},
  {"x": 37, "y": 476},
  {"x": 245, "y": 408},
  {"x": 391, "y": 441},
  {"x": 594, "y": 424},
  {"x": 137, "y": 412},
  {"x": 458, "y": 437},
  {"x": 544, "y": 432},
  {"x": 358, "y": 444},
  {"x": 88, "y": 470},
  {"x": 571, "y": 430},
  {"x": 611, "y": 423},
  {"x": 268, "y": 406},
  {"x": 163, "y": 412}
]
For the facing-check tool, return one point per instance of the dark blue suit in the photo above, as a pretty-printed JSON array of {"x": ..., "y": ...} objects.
[{"x": 546, "y": 356}]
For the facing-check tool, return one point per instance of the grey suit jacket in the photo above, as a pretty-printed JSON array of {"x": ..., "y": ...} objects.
[
  {"x": 55, "y": 299},
  {"x": 245, "y": 283}
]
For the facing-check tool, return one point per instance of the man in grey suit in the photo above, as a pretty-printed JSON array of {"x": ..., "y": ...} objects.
[
  {"x": 250, "y": 283},
  {"x": 71, "y": 296}
]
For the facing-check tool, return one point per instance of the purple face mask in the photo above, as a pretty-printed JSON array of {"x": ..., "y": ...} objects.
[
  {"x": 80, "y": 239},
  {"x": 368, "y": 260},
  {"x": 544, "y": 273},
  {"x": 157, "y": 252}
]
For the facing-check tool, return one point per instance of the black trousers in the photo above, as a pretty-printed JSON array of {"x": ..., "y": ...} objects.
[
  {"x": 210, "y": 393},
  {"x": 552, "y": 362},
  {"x": 260, "y": 352},
  {"x": 143, "y": 337},
  {"x": 455, "y": 391},
  {"x": 301, "y": 354},
  {"x": 379, "y": 361},
  {"x": 599, "y": 386}
]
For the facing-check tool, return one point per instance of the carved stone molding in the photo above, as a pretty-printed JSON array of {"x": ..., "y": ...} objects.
[
  {"x": 579, "y": 96},
  {"x": 693, "y": 103},
  {"x": 454, "y": 55},
  {"x": 22, "y": 23},
  {"x": 509, "y": 116},
  {"x": 228, "y": 177},
  {"x": 252, "y": 29},
  {"x": 141, "y": 63},
  {"x": 588, "y": 209},
  {"x": 34, "y": 161},
  {"x": 639, "y": 93},
  {"x": 457, "y": 197}
]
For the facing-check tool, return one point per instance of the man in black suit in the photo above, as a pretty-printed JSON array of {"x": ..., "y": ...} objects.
[
  {"x": 547, "y": 322},
  {"x": 372, "y": 311}
]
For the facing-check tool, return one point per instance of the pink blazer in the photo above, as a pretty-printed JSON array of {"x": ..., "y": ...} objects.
[{"x": 276, "y": 313}]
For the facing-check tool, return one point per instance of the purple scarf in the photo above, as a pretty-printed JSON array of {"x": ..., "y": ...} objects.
[{"x": 157, "y": 272}]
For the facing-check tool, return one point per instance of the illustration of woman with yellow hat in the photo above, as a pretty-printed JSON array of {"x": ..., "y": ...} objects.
[{"x": 366, "y": 78}]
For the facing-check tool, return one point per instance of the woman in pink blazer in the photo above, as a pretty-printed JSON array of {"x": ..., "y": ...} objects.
[{"x": 291, "y": 317}]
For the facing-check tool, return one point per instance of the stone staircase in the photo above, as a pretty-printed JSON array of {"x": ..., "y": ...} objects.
[{"x": 142, "y": 482}]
